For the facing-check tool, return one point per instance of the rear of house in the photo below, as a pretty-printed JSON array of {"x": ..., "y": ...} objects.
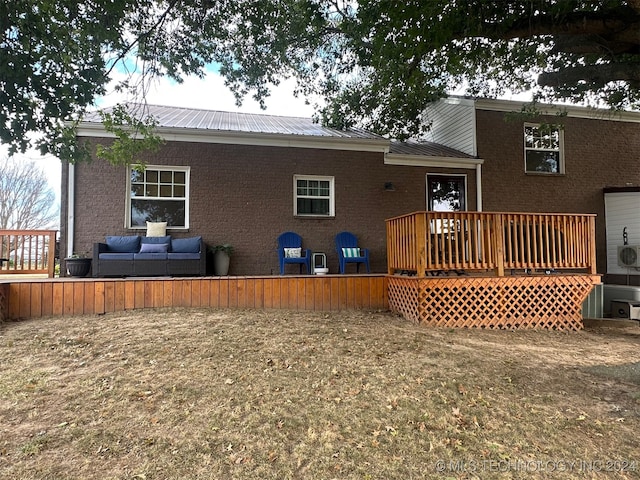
[{"x": 244, "y": 179}]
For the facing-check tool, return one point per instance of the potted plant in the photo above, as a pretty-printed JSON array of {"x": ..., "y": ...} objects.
[
  {"x": 78, "y": 265},
  {"x": 221, "y": 257}
]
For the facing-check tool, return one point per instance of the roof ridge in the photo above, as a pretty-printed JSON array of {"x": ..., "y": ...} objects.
[{"x": 200, "y": 109}]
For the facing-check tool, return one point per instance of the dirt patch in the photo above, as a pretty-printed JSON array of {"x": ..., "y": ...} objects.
[{"x": 198, "y": 393}]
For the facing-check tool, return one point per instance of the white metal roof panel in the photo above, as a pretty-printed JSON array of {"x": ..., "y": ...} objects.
[{"x": 214, "y": 120}]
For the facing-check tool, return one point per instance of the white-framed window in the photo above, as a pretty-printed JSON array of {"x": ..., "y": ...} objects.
[
  {"x": 543, "y": 148},
  {"x": 313, "y": 196},
  {"x": 446, "y": 193},
  {"x": 158, "y": 194}
]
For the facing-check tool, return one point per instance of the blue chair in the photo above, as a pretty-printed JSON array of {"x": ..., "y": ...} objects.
[
  {"x": 291, "y": 240},
  {"x": 348, "y": 251}
]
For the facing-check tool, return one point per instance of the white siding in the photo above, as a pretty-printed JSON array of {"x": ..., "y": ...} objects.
[
  {"x": 453, "y": 124},
  {"x": 622, "y": 209}
]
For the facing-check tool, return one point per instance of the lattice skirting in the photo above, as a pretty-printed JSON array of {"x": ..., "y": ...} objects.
[{"x": 549, "y": 301}]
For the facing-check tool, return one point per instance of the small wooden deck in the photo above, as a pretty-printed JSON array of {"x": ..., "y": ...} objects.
[
  {"x": 518, "y": 270},
  {"x": 36, "y": 298}
]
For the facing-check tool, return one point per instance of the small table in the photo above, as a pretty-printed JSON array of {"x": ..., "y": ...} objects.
[{"x": 2, "y": 260}]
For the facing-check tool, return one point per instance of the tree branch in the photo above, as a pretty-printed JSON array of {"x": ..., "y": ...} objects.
[
  {"x": 577, "y": 23},
  {"x": 142, "y": 35},
  {"x": 586, "y": 44},
  {"x": 594, "y": 74}
]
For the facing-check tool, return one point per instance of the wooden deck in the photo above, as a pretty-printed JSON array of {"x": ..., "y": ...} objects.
[
  {"x": 423, "y": 242},
  {"x": 36, "y": 298},
  {"x": 521, "y": 270},
  {"x": 504, "y": 257}
]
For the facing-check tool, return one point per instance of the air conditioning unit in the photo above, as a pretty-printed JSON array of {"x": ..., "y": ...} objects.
[{"x": 629, "y": 256}]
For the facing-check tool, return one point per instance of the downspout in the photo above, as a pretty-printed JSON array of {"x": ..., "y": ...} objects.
[
  {"x": 479, "y": 187},
  {"x": 71, "y": 201}
]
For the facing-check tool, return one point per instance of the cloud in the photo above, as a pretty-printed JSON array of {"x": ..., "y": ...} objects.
[{"x": 210, "y": 93}]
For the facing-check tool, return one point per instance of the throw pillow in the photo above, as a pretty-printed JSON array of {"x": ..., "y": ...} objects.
[
  {"x": 154, "y": 248},
  {"x": 156, "y": 229},
  {"x": 293, "y": 252},
  {"x": 350, "y": 252}
]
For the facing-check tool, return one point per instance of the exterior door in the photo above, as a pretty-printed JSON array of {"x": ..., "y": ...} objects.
[{"x": 446, "y": 193}]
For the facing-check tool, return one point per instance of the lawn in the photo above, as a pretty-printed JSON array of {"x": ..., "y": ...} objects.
[{"x": 246, "y": 394}]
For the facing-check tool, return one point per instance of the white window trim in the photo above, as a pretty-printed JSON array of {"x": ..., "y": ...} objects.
[
  {"x": 332, "y": 195},
  {"x": 462, "y": 176},
  {"x": 187, "y": 170},
  {"x": 560, "y": 151}
]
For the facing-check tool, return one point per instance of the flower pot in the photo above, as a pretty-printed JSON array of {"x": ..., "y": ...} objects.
[
  {"x": 78, "y": 267},
  {"x": 220, "y": 263}
]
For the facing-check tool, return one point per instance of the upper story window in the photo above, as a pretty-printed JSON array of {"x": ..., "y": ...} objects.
[
  {"x": 543, "y": 149},
  {"x": 158, "y": 194},
  {"x": 313, "y": 196}
]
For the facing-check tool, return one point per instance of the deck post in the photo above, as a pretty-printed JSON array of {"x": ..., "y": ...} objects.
[
  {"x": 51, "y": 258},
  {"x": 593, "y": 267},
  {"x": 498, "y": 242},
  {"x": 421, "y": 243},
  {"x": 390, "y": 250}
]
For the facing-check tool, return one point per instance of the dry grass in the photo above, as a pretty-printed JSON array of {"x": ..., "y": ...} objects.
[{"x": 221, "y": 394}]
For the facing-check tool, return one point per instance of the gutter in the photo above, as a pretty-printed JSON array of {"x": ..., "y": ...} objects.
[
  {"x": 71, "y": 201},
  {"x": 90, "y": 129}
]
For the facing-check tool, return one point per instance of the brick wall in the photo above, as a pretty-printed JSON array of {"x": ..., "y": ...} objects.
[
  {"x": 243, "y": 195},
  {"x": 597, "y": 154}
]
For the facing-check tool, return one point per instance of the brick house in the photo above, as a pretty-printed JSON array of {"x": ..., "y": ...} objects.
[{"x": 243, "y": 179}]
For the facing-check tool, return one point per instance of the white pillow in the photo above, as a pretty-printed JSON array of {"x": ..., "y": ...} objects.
[
  {"x": 156, "y": 229},
  {"x": 293, "y": 252}
]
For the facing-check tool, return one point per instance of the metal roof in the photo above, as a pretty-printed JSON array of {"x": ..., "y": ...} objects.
[
  {"x": 213, "y": 120},
  {"x": 426, "y": 149},
  {"x": 191, "y": 122}
]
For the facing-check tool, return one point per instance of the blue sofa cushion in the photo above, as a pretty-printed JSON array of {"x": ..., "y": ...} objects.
[
  {"x": 186, "y": 245},
  {"x": 123, "y": 243},
  {"x": 183, "y": 256},
  {"x": 116, "y": 256},
  {"x": 154, "y": 248},
  {"x": 150, "y": 256},
  {"x": 155, "y": 240}
]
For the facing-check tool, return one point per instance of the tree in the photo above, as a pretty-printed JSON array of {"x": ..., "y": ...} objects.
[
  {"x": 375, "y": 63},
  {"x": 26, "y": 200}
]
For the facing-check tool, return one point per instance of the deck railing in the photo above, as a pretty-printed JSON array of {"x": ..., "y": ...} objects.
[
  {"x": 423, "y": 242},
  {"x": 27, "y": 252}
]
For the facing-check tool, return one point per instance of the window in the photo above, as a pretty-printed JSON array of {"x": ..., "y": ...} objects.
[
  {"x": 446, "y": 193},
  {"x": 158, "y": 194},
  {"x": 543, "y": 149},
  {"x": 313, "y": 196}
]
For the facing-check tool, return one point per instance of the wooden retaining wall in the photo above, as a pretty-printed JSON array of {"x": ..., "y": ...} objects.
[
  {"x": 27, "y": 299},
  {"x": 537, "y": 301}
]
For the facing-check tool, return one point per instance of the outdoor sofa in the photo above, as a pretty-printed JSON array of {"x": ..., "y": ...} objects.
[{"x": 135, "y": 255}]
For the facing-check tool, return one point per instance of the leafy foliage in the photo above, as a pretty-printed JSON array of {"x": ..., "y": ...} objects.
[
  {"x": 133, "y": 136},
  {"x": 376, "y": 64}
]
